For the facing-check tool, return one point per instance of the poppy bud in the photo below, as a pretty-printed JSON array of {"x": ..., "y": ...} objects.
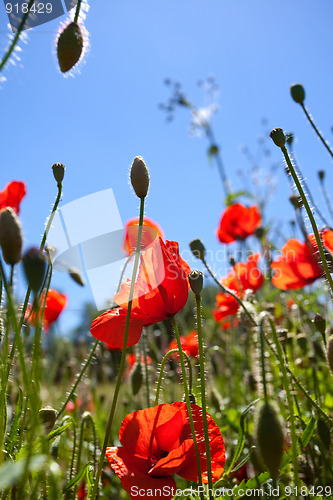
[
  {"x": 140, "y": 177},
  {"x": 297, "y": 93},
  {"x": 58, "y": 172},
  {"x": 136, "y": 377},
  {"x": 321, "y": 174},
  {"x": 196, "y": 282},
  {"x": 48, "y": 416},
  {"x": 278, "y": 137},
  {"x": 324, "y": 433},
  {"x": 198, "y": 249},
  {"x": 76, "y": 276},
  {"x": 302, "y": 341},
  {"x": 270, "y": 439},
  {"x": 320, "y": 323},
  {"x": 330, "y": 352},
  {"x": 69, "y": 46},
  {"x": 34, "y": 263},
  {"x": 296, "y": 201},
  {"x": 10, "y": 236}
]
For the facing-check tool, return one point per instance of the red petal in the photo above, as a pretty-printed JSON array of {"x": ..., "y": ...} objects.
[{"x": 110, "y": 328}]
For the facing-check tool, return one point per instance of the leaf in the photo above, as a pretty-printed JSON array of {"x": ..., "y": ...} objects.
[
  {"x": 14, "y": 429},
  {"x": 76, "y": 479},
  {"x": 252, "y": 484},
  {"x": 308, "y": 431},
  {"x": 59, "y": 430}
]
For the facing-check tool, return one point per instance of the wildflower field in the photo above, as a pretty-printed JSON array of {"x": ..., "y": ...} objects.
[{"x": 190, "y": 384}]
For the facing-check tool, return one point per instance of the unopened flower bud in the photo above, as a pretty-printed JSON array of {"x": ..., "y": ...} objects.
[
  {"x": 58, "y": 172},
  {"x": 321, "y": 174},
  {"x": 330, "y": 352},
  {"x": 10, "y": 236},
  {"x": 34, "y": 263},
  {"x": 69, "y": 46},
  {"x": 76, "y": 275},
  {"x": 198, "y": 249},
  {"x": 320, "y": 323},
  {"x": 136, "y": 377},
  {"x": 297, "y": 93},
  {"x": 48, "y": 417},
  {"x": 140, "y": 177},
  {"x": 296, "y": 201},
  {"x": 278, "y": 137},
  {"x": 196, "y": 282},
  {"x": 270, "y": 439}
]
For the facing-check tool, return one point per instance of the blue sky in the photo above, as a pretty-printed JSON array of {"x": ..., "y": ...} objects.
[{"x": 97, "y": 121}]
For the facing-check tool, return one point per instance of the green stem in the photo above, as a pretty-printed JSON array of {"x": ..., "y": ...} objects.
[
  {"x": 160, "y": 378},
  {"x": 16, "y": 37},
  {"x": 309, "y": 212},
  {"x": 50, "y": 220},
  {"x": 144, "y": 346},
  {"x": 123, "y": 271},
  {"x": 203, "y": 395},
  {"x": 316, "y": 130},
  {"x": 294, "y": 440},
  {"x": 188, "y": 402},
  {"x": 226, "y": 290},
  {"x": 262, "y": 357},
  {"x": 77, "y": 12},
  {"x": 123, "y": 354},
  {"x": 85, "y": 366}
]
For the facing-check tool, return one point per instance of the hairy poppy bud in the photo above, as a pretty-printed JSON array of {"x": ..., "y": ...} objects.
[
  {"x": 140, "y": 177},
  {"x": 296, "y": 201},
  {"x": 198, "y": 249},
  {"x": 320, "y": 323},
  {"x": 278, "y": 137},
  {"x": 196, "y": 282},
  {"x": 48, "y": 416},
  {"x": 136, "y": 377},
  {"x": 270, "y": 439},
  {"x": 321, "y": 174},
  {"x": 297, "y": 93},
  {"x": 76, "y": 275},
  {"x": 34, "y": 263},
  {"x": 330, "y": 352},
  {"x": 58, "y": 172},
  {"x": 69, "y": 46},
  {"x": 324, "y": 433},
  {"x": 10, "y": 236}
]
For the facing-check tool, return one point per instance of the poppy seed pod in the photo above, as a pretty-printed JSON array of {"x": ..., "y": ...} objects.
[
  {"x": 140, "y": 177},
  {"x": 34, "y": 263},
  {"x": 330, "y": 352},
  {"x": 196, "y": 282},
  {"x": 58, "y": 172},
  {"x": 69, "y": 46},
  {"x": 270, "y": 439},
  {"x": 297, "y": 93},
  {"x": 278, "y": 137},
  {"x": 10, "y": 236},
  {"x": 198, "y": 249}
]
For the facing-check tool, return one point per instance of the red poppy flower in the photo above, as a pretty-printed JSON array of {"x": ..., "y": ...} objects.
[
  {"x": 12, "y": 195},
  {"x": 244, "y": 276},
  {"x": 189, "y": 345},
  {"x": 150, "y": 231},
  {"x": 160, "y": 291},
  {"x": 157, "y": 443},
  {"x": 55, "y": 303},
  {"x": 238, "y": 222}
]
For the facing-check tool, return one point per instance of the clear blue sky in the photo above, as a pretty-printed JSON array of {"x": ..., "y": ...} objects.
[{"x": 96, "y": 122}]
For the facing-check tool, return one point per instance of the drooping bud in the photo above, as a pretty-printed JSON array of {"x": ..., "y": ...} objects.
[
  {"x": 140, "y": 177},
  {"x": 136, "y": 377},
  {"x": 330, "y": 352},
  {"x": 270, "y": 439},
  {"x": 278, "y": 137},
  {"x": 198, "y": 249},
  {"x": 76, "y": 275},
  {"x": 69, "y": 46},
  {"x": 321, "y": 174},
  {"x": 48, "y": 416},
  {"x": 297, "y": 93},
  {"x": 10, "y": 236},
  {"x": 58, "y": 172},
  {"x": 320, "y": 323},
  {"x": 196, "y": 282},
  {"x": 34, "y": 263}
]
